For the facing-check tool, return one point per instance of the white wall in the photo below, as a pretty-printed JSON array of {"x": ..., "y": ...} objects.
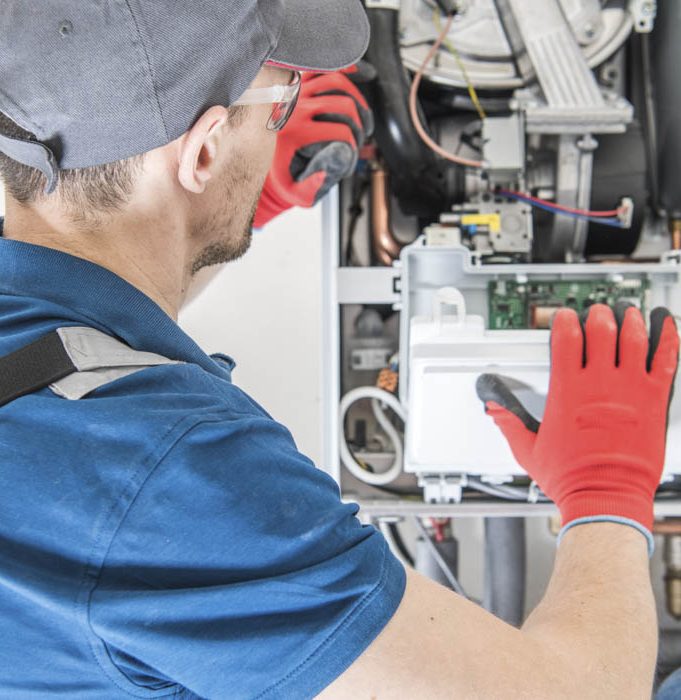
[{"x": 265, "y": 311}]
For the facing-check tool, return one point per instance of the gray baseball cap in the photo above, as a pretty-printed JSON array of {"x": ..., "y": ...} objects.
[{"x": 98, "y": 81}]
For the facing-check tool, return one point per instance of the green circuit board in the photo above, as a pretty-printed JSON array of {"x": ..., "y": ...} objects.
[{"x": 519, "y": 305}]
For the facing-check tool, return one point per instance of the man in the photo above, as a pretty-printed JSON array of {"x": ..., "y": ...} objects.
[{"x": 161, "y": 536}]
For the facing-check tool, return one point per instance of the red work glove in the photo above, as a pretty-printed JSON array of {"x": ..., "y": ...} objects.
[
  {"x": 599, "y": 451},
  {"x": 318, "y": 147}
]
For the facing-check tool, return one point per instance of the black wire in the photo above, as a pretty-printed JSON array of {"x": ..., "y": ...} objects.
[
  {"x": 416, "y": 493},
  {"x": 651, "y": 136},
  {"x": 447, "y": 7},
  {"x": 399, "y": 543}
]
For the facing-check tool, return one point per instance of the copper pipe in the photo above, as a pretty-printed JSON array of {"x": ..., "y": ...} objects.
[
  {"x": 675, "y": 230},
  {"x": 386, "y": 247},
  {"x": 669, "y": 526},
  {"x": 672, "y": 577}
]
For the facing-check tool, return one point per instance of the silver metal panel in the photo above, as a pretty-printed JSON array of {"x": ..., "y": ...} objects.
[
  {"x": 382, "y": 4},
  {"x": 505, "y": 509},
  {"x": 368, "y": 285},
  {"x": 331, "y": 340},
  {"x": 405, "y": 509}
]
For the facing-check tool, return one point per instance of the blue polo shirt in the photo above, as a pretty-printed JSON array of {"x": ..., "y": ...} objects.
[{"x": 163, "y": 537}]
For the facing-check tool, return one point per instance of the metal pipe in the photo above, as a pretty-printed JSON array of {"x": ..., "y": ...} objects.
[
  {"x": 669, "y": 526},
  {"x": 675, "y": 231},
  {"x": 386, "y": 247},
  {"x": 650, "y": 120},
  {"x": 587, "y": 145},
  {"x": 672, "y": 577},
  {"x": 505, "y": 554}
]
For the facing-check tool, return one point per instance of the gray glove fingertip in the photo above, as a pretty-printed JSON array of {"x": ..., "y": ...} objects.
[
  {"x": 492, "y": 387},
  {"x": 335, "y": 158},
  {"x": 658, "y": 316}
]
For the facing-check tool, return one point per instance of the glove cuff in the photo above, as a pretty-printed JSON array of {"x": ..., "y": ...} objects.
[
  {"x": 636, "y": 506},
  {"x": 611, "y": 519}
]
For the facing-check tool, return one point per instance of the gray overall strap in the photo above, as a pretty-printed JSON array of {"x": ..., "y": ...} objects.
[{"x": 98, "y": 359}]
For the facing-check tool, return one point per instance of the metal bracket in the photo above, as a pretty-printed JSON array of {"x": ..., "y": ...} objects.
[
  {"x": 574, "y": 177},
  {"x": 571, "y": 99},
  {"x": 382, "y": 4},
  {"x": 643, "y": 13},
  {"x": 368, "y": 285}
]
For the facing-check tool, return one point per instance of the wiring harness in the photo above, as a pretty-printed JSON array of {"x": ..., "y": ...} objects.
[{"x": 617, "y": 218}]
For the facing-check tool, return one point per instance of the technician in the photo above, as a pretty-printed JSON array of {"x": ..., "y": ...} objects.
[{"x": 160, "y": 534}]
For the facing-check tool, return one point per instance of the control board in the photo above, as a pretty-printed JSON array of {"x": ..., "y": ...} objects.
[{"x": 523, "y": 305}]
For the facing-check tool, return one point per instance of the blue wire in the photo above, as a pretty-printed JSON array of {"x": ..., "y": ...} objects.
[{"x": 606, "y": 221}]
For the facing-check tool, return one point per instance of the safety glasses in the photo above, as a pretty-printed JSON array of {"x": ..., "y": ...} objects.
[{"x": 282, "y": 97}]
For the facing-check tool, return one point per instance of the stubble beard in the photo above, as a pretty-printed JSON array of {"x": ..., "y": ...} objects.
[{"x": 226, "y": 246}]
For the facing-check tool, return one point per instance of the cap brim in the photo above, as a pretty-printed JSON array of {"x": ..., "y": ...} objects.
[{"x": 322, "y": 35}]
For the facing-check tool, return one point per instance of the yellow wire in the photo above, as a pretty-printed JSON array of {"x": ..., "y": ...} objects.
[{"x": 457, "y": 57}]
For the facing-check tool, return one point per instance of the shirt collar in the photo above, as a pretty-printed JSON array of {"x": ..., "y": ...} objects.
[{"x": 98, "y": 295}]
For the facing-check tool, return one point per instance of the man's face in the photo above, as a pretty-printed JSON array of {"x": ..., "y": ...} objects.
[{"x": 222, "y": 230}]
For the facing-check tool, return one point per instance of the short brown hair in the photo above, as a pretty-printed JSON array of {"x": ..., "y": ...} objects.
[{"x": 86, "y": 192}]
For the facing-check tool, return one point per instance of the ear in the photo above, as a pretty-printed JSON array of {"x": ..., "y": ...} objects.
[{"x": 199, "y": 149}]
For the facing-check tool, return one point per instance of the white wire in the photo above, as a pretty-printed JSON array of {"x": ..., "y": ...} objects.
[
  {"x": 497, "y": 491},
  {"x": 512, "y": 493},
  {"x": 388, "y": 428},
  {"x": 372, "y": 392}
]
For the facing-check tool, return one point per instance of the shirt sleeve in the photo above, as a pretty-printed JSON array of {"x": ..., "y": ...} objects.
[{"x": 238, "y": 572}]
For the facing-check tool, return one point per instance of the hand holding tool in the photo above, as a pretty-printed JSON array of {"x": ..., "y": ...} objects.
[{"x": 318, "y": 147}]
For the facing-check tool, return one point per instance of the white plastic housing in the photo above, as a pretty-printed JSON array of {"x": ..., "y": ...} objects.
[{"x": 447, "y": 430}]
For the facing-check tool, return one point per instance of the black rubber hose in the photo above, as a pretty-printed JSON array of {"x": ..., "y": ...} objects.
[
  {"x": 505, "y": 554},
  {"x": 666, "y": 58},
  {"x": 423, "y": 184}
]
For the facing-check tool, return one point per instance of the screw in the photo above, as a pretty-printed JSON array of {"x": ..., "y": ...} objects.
[{"x": 65, "y": 28}]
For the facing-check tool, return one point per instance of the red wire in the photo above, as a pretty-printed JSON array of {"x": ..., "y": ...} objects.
[
  {"x": 439, "y": 526},
  {"x": 569, "y": 210}
]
